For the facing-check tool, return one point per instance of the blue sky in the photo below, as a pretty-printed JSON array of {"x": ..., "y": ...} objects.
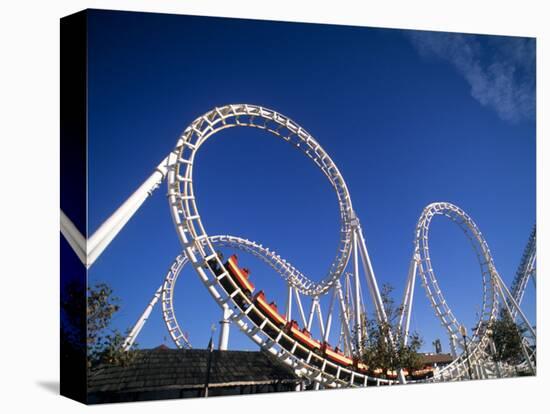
[{"x": 408, "y": 117}]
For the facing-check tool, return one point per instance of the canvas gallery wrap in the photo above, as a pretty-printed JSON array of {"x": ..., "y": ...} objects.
[{"x": 263, "y": 207}]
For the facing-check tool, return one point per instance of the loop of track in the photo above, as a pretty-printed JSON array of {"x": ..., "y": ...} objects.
[
  {"x": 489, "y": 307},
  {"x": 199, "y": 250},
  {"x": 181, "y": 194}
]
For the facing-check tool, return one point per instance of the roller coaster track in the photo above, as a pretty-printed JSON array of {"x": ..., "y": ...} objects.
[
  {"x": 526, "y": 269},
  {"x": 346, "y": 302},
  {"x": 302, "y": 359},
  {"x": 493, "y": 289}
]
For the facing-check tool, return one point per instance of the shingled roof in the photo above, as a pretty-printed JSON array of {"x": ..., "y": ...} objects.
[
  {"x": 164, "y": 368},
  {"x": 430, "y": 359}
]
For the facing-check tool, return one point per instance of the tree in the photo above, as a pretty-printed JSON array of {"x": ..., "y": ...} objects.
[
  {"x": 104, "y": 345},
  {"x": 507, "y": 337},
  {"x": 378, "y": 352}
]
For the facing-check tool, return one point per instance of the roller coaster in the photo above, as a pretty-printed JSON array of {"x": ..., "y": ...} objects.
[{"x": 287, "y": 335}]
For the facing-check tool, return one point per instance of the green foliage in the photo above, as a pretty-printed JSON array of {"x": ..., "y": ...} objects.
[
  {"x": 507, "y": 337},
  {"x": 104, "y": 345},
  {"x": 101, "y": 306},
  {"x": 377, "y": 352}
]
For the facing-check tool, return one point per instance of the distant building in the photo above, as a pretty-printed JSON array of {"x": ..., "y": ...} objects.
[
  {"x": 437, "y": 360},
  {"x": 431, "y": 362},
  {"x": 163, "y": 373}
]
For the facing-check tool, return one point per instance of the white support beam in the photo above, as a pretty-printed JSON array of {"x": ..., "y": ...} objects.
[
  {"x": 408, "y": 300},
  {"x": 75, "y": 239},
  {"x": 300, "y": 307},
  {"x": 131, "y": 338},
  {"x": 320, "y": 318},
  {"x": 224, "y": 331},
  {"x": 89, "y": 250},
  {"x": 311, "y": 313},
  {"x": 103, "y": 236},
  {"x": 328, "y": 323},
  {"x": 371, "y": 280},
  {"x": 289, "y": 303},
  {"x": 357, "y": 307}
]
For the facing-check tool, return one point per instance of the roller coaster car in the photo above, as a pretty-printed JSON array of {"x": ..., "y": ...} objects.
[
  {"x": 424, "y": 373},
  {"x": 269, "y": 309},
  {"x": 391, "y": 374},
  {"x": 303, "y": 336},
  {"x": 359, "y": 366},
  {"x": 239, "y": 276},
  {"x": 335, "y": 355}
]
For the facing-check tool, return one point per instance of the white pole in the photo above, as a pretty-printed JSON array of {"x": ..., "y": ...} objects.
[
  {"x": 224, "y": 331},
  {"x": 357, "y": 291},
  {"x": 103, "y": 236},
  {"x": 75, "y": 239},
  {"x": 289, "y": 303},
  {"x": 371, "y": 280},
  {"x": 409, "y": 299},
  {"x": 311, "y": 312},
  {"x": 131, "y": 338},
  {"x": 329, "y": 316},
  {"x": 300, "y": 307},
  {"x": 94, "y": 255},
  {"x": 402, "y": 317},
  {"x": 320, "y": 317}
]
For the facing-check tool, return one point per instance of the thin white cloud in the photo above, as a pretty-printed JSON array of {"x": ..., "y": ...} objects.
[{"x": 500, "y": 70}]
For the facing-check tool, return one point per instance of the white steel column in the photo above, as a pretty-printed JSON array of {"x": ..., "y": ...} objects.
[
  {"x": 289, "y": 303},
  {"x": 99, "y": 241},
  {"x": 320, "y": 317},
  {"x": 130, "y": 339},
  {"x": 408, "y": 300},
  {"x": 311, "y": 313},
  {"x": 329, "y": 316},
  {"x": 224, "y": 331},
  {"x": 358, "y": 327},
  {"x": 371, "y": 280},
  {"x": 300, "y": 307},
  {"x": 75, "y": 239}
]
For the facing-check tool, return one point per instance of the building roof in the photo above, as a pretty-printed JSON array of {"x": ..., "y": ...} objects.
[
  {"x": 164, "y": 368},
  {"x": 437, "y": 359}
]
